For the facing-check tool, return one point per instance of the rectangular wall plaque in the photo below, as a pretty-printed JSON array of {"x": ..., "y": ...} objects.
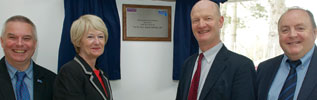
[{"x": 146, "y": 23}]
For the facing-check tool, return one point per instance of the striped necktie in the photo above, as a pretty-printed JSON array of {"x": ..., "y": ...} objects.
[
  {"x": 22, "y": 91},
  {"x": 288, "y": 90}
]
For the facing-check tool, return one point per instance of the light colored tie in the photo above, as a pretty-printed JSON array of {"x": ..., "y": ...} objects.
[{"x": 22, "y": 91}]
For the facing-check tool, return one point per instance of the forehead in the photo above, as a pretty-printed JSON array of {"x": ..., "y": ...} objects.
[
  {"x": 295, "y": 17},
  {"x": 204, "y": 8},
  {"x": 18, "y": 28},
  {"x": 92, "y": 31}
]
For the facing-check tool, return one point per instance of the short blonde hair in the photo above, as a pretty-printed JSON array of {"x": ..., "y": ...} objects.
[{"x": 82, "y": 25}]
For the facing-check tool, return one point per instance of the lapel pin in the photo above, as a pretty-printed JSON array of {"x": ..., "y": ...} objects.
[{"x": 40, "y": 81}]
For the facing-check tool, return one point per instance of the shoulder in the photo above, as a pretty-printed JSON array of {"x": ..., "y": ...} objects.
[
  {"x": 71, "y": 69},
  {"x": 238, "y": 59},
  {"x": 269, "y": 62},
  {"x": 43, "y": 71},
  {"x": 3, "y": 68},
  {"x": 231, "y": 57},
  {"x": 71, "y": 65},
  {"x": 190, "y": 61},
  {"x": 191, "y": 58}
]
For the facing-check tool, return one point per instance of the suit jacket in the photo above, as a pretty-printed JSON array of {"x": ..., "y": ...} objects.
[
  {"x": 43, "y": 81},
  {"x": 77, "y": 81},
  {"x": 268, "y": 69},
  {"x": 231, "y": 77}
]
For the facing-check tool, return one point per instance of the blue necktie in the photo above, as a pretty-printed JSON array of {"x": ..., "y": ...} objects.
[
  {"x": 289, "y": 87},
  {"x": 22, "y": 91}
]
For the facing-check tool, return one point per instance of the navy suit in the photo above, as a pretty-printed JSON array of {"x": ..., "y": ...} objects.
[
  {"x": 43, "y": 80},
  {"x": 268, "y": 69},
  {"x": 231, "y": 77}
]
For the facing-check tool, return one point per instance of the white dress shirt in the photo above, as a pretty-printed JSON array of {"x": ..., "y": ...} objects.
[{"x": 206, "y": 63}]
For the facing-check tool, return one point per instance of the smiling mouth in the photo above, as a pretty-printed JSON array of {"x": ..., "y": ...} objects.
[
  {"x": 294, "y": 43},
  {"x": 96, "y": 48},
  {"x": 19, "y": 51},
  {"x": 204, "y": 31}
]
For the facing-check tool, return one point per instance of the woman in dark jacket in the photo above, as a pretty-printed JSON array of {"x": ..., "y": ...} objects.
[{"x": 80, "y": 78}]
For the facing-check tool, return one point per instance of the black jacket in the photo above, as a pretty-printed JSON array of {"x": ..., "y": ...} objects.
[
  {"x": 231, "y": 77},
  {"x": 42, "y": 90},
  {"x": 77, "y": 81}
]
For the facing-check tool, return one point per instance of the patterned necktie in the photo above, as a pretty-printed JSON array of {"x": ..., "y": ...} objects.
[
  {"x": 193, "y": 91},
  {"x": 22, "y": 91},
  {"x": 288, "y": 90}
]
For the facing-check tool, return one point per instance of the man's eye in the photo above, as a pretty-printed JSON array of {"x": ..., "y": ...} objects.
[
  {"x": 195, "y": 21},
  {"x": 27, "y": 38},
  {"x": 300, "y": 28},
  {"x": 11, "y": 37},
  {"x": 284, "y": 30}
]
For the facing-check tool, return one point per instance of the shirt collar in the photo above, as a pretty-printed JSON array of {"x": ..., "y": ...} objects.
[
  {"x": 210, "y": 52},
  {"x": 305, "y": 59},
  {"x": 12, "y": 70}
]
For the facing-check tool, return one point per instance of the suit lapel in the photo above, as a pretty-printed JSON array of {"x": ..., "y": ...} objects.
[
  {"x": 218, "y": 66},
  {"x": 107, "y": 85},
  {"x": 310, "y": 80},
  {"x": 6, "y": 89},
  {"x": 97, "y": 85},
  {"x": 274, "y": 66},
  {"x": 37, "y": 82},
  {"x": 92, "y": 78}
]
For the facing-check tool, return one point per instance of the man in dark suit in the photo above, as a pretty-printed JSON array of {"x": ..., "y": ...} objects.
[
  {"x": 217, "y": 74},
  {"x": 292, "y": 75},
  {"x": 20, "y": 77}
]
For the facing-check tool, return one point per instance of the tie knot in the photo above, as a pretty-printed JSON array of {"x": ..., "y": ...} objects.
[
  {"x": 294, "y": 64},
  {"x": 201, "y": 55},
  {"x": 20, "y": 75}
]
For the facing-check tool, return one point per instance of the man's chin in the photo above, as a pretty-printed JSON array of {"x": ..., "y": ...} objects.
[{"x": 19, "y": 59}]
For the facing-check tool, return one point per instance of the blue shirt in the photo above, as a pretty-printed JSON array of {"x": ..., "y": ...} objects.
[
  {"x": 282, "y": 74},
  {"x": 28, "y": 80}
]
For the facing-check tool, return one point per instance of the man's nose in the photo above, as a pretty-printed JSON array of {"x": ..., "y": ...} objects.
[
  {"x": 20, "y": 42},
  {"x": 202, "y": 23},
  {"x": 293, "y": 33}
]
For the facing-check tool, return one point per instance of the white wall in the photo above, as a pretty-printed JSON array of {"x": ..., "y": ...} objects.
[
  {"x": 146, "y": 67},
  {"x": 48, "y": 16}
]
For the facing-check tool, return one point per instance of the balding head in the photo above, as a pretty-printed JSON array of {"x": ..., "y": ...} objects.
[
  {"x": 297, "y": 33},
  {"x": 206, "y": 24},
  {"x": 309, "y": 13},
  {"x": 206, "y": 4}
]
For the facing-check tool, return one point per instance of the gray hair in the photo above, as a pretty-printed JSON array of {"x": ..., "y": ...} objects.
[
  {"x": 310, "y": 14},
  {"x": 20, "y": 18}
]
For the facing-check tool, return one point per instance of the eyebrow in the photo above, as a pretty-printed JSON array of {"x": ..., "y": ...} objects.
[
  {"x": 11, "y": 34},
  {"x": 300, "y": 25}
]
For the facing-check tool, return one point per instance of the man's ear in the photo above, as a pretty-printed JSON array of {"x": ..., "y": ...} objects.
[
  {"x": 314, "y": 33},
  {"x": 2, "y": 41},
  {"x": 221, "y": 20}
]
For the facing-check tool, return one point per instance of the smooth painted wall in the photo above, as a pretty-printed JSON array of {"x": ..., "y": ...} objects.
[{"x": 146, "y": 66}]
